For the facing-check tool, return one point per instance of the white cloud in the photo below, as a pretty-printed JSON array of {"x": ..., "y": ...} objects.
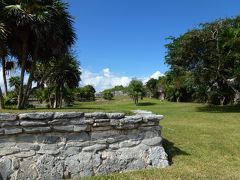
[
  {"x": 106, "y": 79},
  {"x": 156, "y": 75},
  {"x": 103, "y": 80}
]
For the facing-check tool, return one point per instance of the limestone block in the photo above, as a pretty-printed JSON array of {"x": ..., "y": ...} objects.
[
  {"x": 96, "y": 115},
  {"x": 30, "y": 130},
  {"x": 5, "y": 168},
  {"x": 49, "y": 167},
  {"x": 115, "y": 115},
  {"x": 95, "y": 148},
  {"x": 9, "y": 123},
  {"x": 68, "y": 128},
  {"x": 12, "y": 130},
  {"x": 68, "y": 115},
  {"x": 80, "y": 128},
  {"x": 25, "y": 154},
  {"x": 36, "y": 116},
  {"x": 8, "y": 117},
  {"x": 129, "y": 143},
  {"x": 32, "y": 123},
  {"x": 152, "y": 141},
  {"x": 158, "y": 157}
]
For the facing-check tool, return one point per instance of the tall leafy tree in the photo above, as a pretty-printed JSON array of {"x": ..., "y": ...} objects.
[
  {"x": 38, "y": 30},
  {"x": 206, "y": 53},
  {"x": 135, "y": 90},
  {"x": 65, "y": 73}
]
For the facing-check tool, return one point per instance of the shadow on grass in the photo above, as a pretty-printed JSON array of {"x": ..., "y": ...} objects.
[
  {"x": 220, "y": 109},
  {"x": 172, "y": 150},
  {"x": 146, "y": 104}
]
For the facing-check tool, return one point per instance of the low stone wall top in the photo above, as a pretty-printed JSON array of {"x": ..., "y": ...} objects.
[
  {"x": 73, "y": 144},
  {"x": 45, "y": 122}
]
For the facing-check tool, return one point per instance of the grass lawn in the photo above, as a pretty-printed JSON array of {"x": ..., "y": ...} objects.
[{"x": 202, "y": 142}]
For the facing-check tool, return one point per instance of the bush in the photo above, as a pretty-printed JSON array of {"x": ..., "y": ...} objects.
[{"x": 107, "y": 94}]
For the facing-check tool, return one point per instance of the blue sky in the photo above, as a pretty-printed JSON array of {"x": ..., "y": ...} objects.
[{"x": 123, "y": 39}]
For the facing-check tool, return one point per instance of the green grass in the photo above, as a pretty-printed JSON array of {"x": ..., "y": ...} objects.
[{"x": 202, "y": 142}]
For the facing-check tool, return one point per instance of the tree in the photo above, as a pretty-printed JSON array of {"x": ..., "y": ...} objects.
[
  {"x": 38, "y": 30},
  {"x": 152, "y": 87},
  {"x": 65, "y": 73},
  {"x": 107, "y": 94},
  {"x": 135, "y": 90},
  {"x": 86, "y": 93},
  {"x": 15, "y": 82},
  {"x": 208, "y": 55}
]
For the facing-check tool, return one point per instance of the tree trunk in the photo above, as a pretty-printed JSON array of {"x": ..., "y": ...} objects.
[
  {"x": 178, "y": 99},
  {"x": 57, "y": 94},
  {"x": 1, "y": 99},
  {"x": 222, "y": 100},
  {"x": 4, "y": 75},
  {"x": 23, "y": 63}
]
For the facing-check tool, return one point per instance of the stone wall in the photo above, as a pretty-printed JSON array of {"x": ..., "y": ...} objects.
[{"x": 74, "y": 144}]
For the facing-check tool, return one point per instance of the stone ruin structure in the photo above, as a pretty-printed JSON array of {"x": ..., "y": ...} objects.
[{"x": 64, "y": 145}]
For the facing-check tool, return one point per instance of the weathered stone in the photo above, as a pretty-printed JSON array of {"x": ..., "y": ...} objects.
[
  {"x": 68, "y": 115},
  {"x": 8, "y": 151},
  {"x": 36, "y": 129},
  {"x": 158, "y": 157},
  {"x": 81, "y": 121},
  {"x": 51, "y": 149},
  {"x": 152, "y": 117},
  {"x": 95, "y": 148},
  {"x": 114, "y": 146},
  {"x": 5, "y": 168},
  {"x": 129, "y": 143},
  {"x": 59, "y": 122},
  {"x": 25, "y": 154},
  {"x": 49, "y": 167},
  {"x": 79, "y": 165},
  {"x": 9, "y": 123},
  {"x": 152, "y": 141},
  {"x": 115, "y": 115},
  {"x": 80, "y": 128},
  {"x": 32, "y": 123},
  {"x": 71, "y": 151},
  {"x": 74, "y": 145},
  {"x": 101, "y": 124},
  {"x": 114, "y": 122},
  {"x": 101, "y": 128},
  {"x": 36, "y": 116},
  {"x": 15, "y": 163},
  {"x": 96, "y": 115},
  {"x": 68, "y": 128},
  {"x": 28, "y": 146},
  {"x": 12, "y": 130},
  {"x": 101, "y": 120},
  {"x": 48, "y": 138},
  {"x": 1, "y": 131},
  {"x": 26, "y": 170},
  {"x": 105, "y": 134},
  {"x": 8, "y": 117},
  {"x": 115, "y": 139},
  {"x": 131, "y": 119},
  {"x": 80, "y": 144}
]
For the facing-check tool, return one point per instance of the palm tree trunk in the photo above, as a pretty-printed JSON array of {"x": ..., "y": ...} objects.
[
  {"x": 4, "y": 75},
  {"x": 56, "y": 104},
  {"x": 1, "y": 99},
  {"x": 21, "y": 89},
  {"x": 30, "y": 79}
]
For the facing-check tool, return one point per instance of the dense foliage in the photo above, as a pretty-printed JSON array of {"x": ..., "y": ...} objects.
[{"x": 210, "y": 56}]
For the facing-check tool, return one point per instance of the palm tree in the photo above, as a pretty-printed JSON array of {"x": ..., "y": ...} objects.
[
  {"x": 65, "y": 73},
  {"x": 39, "y": 30},
  {"x": 2, "y": 36},
  {"x": 3, "y": 53}
]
